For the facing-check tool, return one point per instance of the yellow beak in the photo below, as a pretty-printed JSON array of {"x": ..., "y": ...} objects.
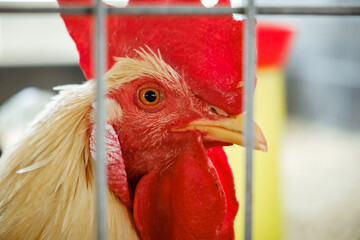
[{"x": 229, "y": 130}]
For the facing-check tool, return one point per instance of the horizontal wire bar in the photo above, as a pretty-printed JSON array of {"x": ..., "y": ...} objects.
[
  {"x": 319, "y": 11},
  {"x": 188, "y": 10},
  {"x": 138, "y": 10},
  {"x": 65, "y": 10}
]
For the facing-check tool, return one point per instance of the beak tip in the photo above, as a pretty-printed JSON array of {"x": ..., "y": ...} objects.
[{"x": 263, "y": 147}]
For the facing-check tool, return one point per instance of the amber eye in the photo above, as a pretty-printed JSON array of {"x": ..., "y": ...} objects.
[{"x": 149, "y": 96}]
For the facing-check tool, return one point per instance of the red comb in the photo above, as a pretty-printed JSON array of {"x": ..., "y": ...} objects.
[{"x": 207, "y": 50}]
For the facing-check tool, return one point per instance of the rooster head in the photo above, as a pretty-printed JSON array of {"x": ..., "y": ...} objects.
[{"x": 174, "y": 98}]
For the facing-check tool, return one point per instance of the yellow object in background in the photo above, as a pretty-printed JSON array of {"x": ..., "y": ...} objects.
[{"x": 270, "y": 114}]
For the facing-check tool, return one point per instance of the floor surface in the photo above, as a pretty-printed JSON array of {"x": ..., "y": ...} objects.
[{"x": 320, "y": 169}]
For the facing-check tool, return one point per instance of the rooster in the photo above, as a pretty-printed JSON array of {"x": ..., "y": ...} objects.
[{"x": 173, "y": 99}]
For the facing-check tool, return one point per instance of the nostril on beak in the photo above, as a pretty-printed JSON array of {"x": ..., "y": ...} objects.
[
  {"x": 218, "y": 111},
  {"x": 213, "y": 110}
]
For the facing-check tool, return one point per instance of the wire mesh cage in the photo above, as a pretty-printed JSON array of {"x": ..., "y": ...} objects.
[{"x": 249, "y": 11}]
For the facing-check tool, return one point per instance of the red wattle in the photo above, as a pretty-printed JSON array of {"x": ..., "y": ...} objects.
[
  {"x": 219, "y": 159},
  {"x": 188, "y": 200}
]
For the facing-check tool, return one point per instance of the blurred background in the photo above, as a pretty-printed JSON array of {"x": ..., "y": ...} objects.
[{"x": 307, "y": 101}]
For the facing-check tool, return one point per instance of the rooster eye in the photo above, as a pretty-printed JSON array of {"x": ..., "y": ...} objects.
[{"x": 149, "y": 96}]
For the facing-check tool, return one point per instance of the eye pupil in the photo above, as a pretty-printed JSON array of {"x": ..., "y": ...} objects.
[{"x": 150, "y": 96}]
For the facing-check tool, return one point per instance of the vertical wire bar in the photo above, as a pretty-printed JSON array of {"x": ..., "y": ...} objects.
[
  {"x": 249, "y": 73},
  {"x": 100, "y": 170}
]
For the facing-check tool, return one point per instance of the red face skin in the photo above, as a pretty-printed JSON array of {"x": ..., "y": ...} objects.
[{"x": 145, "y": 135}]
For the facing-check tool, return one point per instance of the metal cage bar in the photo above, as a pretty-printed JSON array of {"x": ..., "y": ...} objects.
[
  {"x": 100, "y": 11},
  {"x": 7, "y": 7},
  {"x": 249, "y": 75},
  {"x": 100, "y": 112}
]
